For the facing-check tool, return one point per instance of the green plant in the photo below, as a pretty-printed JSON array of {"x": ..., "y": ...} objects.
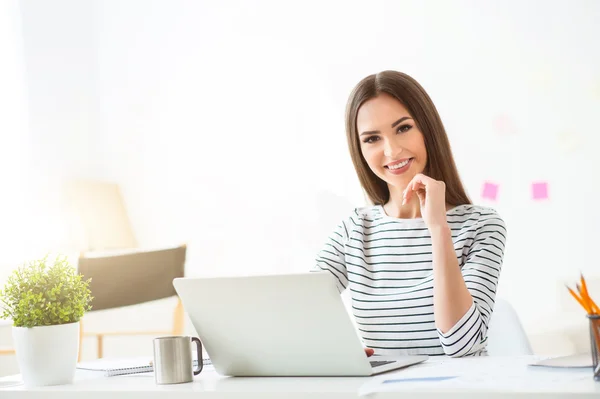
[{"x": 43, "y": 294}]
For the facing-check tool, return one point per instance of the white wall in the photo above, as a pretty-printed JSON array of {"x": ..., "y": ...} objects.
[
  {"x": 13, "y": 136},
  {"x": 59, "y": 61},
  {"x": 13, "y": 154},
  {"x": 223, "y": 121}
]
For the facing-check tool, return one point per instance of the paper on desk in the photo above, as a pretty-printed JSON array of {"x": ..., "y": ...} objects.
[
  {"x": 474, "y": 374},
  {"x": 570, "y": 361},
  {"x": 395, "y": 383}
]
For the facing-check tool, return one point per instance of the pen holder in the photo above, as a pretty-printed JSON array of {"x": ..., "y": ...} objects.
[{"x": 595, "y": 343}]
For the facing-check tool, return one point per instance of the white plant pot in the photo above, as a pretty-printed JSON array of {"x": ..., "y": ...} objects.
[{"x": 47, "y": 355}]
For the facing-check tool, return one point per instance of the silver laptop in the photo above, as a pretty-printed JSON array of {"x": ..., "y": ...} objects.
[{"x": 279, "y": 325}]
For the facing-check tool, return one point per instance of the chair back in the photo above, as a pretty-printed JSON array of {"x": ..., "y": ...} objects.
[
  {"x": 132, "y": 278},
  {"x": 506, "y": 336}
]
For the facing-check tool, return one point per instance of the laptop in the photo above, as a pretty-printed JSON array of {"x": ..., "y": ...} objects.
[{"x": 279, "y": 325}]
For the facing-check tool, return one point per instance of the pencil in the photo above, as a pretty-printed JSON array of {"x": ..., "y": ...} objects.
[
  {"x": 593, "y": 307},
  {"x": 581, "y": 302},
  {"x": 583, "y": 284},
  {"x": 584, "y": 298}
]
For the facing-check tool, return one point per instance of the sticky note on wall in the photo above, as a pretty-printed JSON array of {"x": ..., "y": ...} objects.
[
  {"x": 539, "y": 190},
  {"x": 490, "y": 191}
]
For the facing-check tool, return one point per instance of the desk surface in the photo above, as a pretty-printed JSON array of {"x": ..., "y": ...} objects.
[{"x": 495, "y": 376}]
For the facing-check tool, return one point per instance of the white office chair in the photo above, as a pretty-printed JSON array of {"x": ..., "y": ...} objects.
[{"x": 506, "y": 336}]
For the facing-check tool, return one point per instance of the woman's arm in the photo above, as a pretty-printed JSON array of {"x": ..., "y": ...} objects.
[
  {"x": 479, "y": 274},
  {"x": 331, "y": 257},
  {"x": 451, "y": 298},
  {"x": 463, "y": 297}
]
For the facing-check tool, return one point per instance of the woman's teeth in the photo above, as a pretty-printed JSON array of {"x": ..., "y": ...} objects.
[{"x": 400, "y": 165}]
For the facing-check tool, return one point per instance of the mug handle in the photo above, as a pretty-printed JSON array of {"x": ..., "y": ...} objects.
[{"x": 199, "y": 354}]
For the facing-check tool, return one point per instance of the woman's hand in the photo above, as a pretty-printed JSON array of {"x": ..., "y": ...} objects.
[{"x": 432, "y": 196}]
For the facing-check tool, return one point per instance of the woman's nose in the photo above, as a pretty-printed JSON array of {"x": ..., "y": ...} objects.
[{"x": 391, "y": 149}]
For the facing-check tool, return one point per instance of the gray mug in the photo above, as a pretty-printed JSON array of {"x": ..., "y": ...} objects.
[{"x": 173, "y": 359}]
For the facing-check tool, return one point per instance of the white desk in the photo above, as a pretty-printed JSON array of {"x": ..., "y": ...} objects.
[{"x": 490, "y": 377}]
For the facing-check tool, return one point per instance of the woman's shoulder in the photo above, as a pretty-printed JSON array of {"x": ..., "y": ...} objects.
[
  {"x": 368, "y": 214},
  {"x": 365, "y": 216},
  {"x": 470, "y": 214}
]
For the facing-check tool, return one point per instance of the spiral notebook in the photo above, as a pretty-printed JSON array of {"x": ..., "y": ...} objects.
[{"x": 115, "y": 366}]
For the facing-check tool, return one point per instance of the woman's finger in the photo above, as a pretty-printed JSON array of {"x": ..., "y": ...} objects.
[
  {"x": 419, "y": 178},
  {"x": 422, "y": 194},
  {"x": 414, "y": 185}
]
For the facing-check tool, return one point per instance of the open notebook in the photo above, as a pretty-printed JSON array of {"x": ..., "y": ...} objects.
[{"x": 115, "y": 366}]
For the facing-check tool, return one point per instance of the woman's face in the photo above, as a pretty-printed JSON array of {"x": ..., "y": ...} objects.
[{"x": 390, "y": 141}]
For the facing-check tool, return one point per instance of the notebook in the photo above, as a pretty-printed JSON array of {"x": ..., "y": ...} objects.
[{"x": 115, "y": 366}]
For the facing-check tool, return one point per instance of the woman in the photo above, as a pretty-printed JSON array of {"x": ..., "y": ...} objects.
[{"x": 422, "y": 264}]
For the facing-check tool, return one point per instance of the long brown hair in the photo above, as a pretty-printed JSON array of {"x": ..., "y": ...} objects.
[{"x": 440, "y": 162}]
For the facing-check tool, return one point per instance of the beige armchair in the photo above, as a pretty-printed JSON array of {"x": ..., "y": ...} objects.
[
  {"x": 7, "y": 351},
  {"x": 131, "y": 279},
  {"x": 123, "y": 274}
]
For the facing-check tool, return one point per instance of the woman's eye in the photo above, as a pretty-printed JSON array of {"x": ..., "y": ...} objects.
[
  {"x": 404, "y": 128},
  {"x": 371, "y": 139}
]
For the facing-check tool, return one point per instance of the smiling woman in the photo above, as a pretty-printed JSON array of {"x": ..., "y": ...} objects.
[
  {"x": 394, "y": 149},
  {"x": 400, "y": 105},
  {"x": 422, "y": 264}
]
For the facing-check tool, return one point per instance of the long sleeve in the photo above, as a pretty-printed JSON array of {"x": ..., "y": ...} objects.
[
  {"x": 332, "y": 256},
  {"x": 481, "y": 272}
]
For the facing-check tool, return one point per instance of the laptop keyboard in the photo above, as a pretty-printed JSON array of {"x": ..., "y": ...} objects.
[{"x": 376, "y": 363}]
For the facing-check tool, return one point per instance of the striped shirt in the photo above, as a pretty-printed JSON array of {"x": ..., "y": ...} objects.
[{"x": 386, "y": 263}]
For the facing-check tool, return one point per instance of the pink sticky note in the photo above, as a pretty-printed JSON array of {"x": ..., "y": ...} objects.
[
  {"x": 539, "y": 190},
  {"x": 490, "y": 191}
]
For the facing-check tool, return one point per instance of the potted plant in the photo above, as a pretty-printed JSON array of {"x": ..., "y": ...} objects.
[{"x": 45, "y": 302}]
